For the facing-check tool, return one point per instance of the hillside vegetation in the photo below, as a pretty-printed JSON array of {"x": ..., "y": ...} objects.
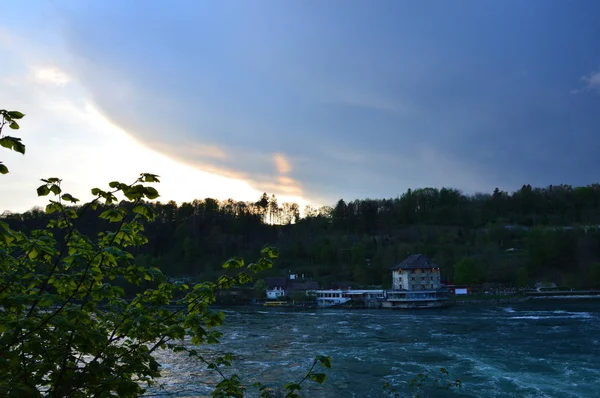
[{"x": 530, "y": 235}]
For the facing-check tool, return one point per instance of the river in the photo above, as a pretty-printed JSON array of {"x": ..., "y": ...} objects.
[{"x": 533, "y": 349}]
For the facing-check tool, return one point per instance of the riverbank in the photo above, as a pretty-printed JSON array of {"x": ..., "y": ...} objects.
[
  {"x": 514, "y": 298},
  {"x": 488, "y": 299}
]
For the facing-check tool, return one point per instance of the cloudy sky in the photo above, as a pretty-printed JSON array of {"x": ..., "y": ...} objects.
[{"x": 310, "y": 100}]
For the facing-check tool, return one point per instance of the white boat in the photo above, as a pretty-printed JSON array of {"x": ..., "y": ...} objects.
[
  {"x": 416, "y": 299},
  {"x": 383, "y": 298},
  {"x": 331, "y": 297}
]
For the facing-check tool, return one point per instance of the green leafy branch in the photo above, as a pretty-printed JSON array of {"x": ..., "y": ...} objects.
[
  {"x": 67, "y": 327},
  {"x": 64, "y": 299},
  {"x": 10, "y": 118}
]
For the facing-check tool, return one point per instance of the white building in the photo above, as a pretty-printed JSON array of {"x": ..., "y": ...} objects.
[
  {"x": 275, "y": 293},
  {"x": 416, "y": 273},
  {"x": 276, "y": 287}
]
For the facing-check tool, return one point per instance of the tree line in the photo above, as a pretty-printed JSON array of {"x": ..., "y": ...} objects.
[
  {"x": 515, "y": 239},
  {"x": 556, "y": 205}
]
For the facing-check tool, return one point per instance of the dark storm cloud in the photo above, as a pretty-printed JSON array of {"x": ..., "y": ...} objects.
[{"x": 361, "y": 99}]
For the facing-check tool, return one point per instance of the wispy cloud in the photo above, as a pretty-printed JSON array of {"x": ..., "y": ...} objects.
[
  {"x": 51, "y": 75},
  {"x": 192, "y": 150},
  {"x": 68, "y": 136},
  {"x": 282, "y": 165},
  {"x": 591, "y": 83},
  {"x": 284, "y": 183}
]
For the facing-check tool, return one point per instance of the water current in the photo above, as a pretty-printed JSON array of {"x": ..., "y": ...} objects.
[{"x": 533, "y": 349}]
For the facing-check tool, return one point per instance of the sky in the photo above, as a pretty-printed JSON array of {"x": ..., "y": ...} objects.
[{"x": 310, "y": 100}]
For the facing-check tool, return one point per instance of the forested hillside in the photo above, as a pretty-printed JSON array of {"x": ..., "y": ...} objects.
[{"x": 530, "y": 235}]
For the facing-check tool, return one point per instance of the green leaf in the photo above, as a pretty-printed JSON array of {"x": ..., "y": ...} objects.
[
  {"x": 72, "y": 213},
  {"x": 6, "y": 236},
  {"x": 55, "y": 189},
  {"x": 270, "y": 252},
  {"x": 151, "y": 193},
  {"x": 325, "y": 361},
  {"x": 68, "y": 197},
  {"x": 13, "y": 125},
  {"x": 15, "y": 115},
  {"x": 318, "y": 377},
  {"x": 292, "y": 387},
  {"x": 19, "y": 147},
  {"x": 234, "y": 263},
  {"x": 147, "y": 177},
  {"x": 144, "y": 211},
  {"x": 53, "y": 207},
  {"x": 62, "y": 223},
  {"x": 33, "y": 253},
  {"x": 3, "y": 169},
  {"x": 43, "y": 190},
  {"x": 244, "y": 278},
  {"x": 112, "y": 215},
  {"x": 225, "y": 282},
  {"x": 13, "y": 143}
]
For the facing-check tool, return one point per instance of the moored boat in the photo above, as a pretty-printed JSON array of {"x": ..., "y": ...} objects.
[{"x": 416, "y": 299}]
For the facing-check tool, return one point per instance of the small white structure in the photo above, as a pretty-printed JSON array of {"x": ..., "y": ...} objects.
[
  {"x": 275, "y": 293},
  {"x": 276, "y": 287}
]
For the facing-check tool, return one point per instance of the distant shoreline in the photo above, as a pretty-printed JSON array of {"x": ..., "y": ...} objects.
[
  {"x": 495, "y": 300},
  {"x": 461, "y": 300},
  {"x": 512, "y": 299}
]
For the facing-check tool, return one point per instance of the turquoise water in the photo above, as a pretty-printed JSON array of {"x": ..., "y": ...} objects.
[{"x": 534, "y": 349}]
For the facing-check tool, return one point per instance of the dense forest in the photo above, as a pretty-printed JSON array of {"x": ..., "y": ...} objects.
[{"x": 533, "y": 234}]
